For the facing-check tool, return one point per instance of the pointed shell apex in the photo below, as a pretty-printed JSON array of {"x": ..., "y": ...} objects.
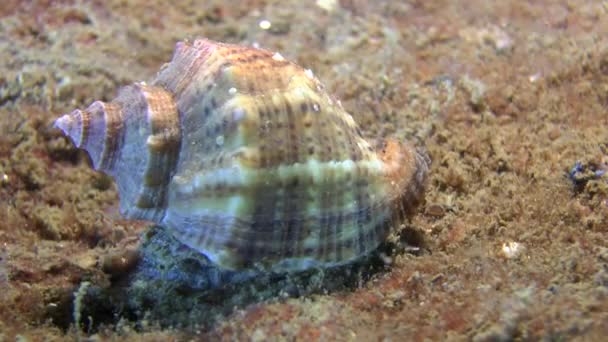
[{"x": 71, "y": 126}]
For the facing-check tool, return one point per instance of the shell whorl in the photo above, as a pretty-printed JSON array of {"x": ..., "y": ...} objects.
[
  {"x": 244, "y": 157},
  {"x": 135, "y": 139}
]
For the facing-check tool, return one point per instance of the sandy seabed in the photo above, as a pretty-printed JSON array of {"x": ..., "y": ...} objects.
[{"x": 510, "y": 99}]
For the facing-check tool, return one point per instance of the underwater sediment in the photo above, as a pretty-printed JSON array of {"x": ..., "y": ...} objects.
[{"x": 509, "y": 99}]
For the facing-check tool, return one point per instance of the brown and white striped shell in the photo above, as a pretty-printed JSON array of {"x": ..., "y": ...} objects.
[{"x": 244, "y": 157}]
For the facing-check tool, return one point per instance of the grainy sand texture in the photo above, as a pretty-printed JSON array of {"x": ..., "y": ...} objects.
[{"x": 509, "y": 98}]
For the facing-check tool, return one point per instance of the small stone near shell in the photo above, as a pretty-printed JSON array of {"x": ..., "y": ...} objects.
[
  {"x": 120, "y": 262},
  {"x": 435, "y": 210}
]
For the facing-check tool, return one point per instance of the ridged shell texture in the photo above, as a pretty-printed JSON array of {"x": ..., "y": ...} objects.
[{"x": 243, "y": 156}]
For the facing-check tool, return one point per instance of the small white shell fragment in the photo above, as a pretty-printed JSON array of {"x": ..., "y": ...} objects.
[
  {"x": 328, "y": 5},
  {"x": 534, "y": 77},
  {"x": 512, "y": 249},
  {"x": 278, "y": 57},
  {"x": 309, "y": 74}
]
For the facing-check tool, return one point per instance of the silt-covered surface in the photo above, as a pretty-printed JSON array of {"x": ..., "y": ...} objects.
[{"x": 509, "y": 98}]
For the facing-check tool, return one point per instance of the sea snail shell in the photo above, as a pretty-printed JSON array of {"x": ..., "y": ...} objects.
[{"x": 245, "y": 158}]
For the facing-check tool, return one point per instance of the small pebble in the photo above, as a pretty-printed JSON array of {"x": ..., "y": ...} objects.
[
  {"x": 435, "y": 210},
  {"x": 120, "y": 262}
]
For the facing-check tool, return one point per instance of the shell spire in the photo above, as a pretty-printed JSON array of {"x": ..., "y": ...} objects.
[
  {"x": 88, "y": 128},
  {"x": 244, "y": 157},
  {"x": 114, "y": 133}
]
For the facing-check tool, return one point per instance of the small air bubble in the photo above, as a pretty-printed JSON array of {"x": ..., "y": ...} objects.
[
  {"x": 315, "y": 107},
  {"x": 219, "y": 140},
  {"x": 232, "y": 91},
  {"x": 238, "y": 114},
  {"x": 265, "y": 24}
]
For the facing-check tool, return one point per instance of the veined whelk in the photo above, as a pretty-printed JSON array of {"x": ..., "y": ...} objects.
[{"x": 244, "y": 157}]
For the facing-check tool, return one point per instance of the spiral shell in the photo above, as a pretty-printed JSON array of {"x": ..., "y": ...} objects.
[{"x": 243, "y": 156}]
